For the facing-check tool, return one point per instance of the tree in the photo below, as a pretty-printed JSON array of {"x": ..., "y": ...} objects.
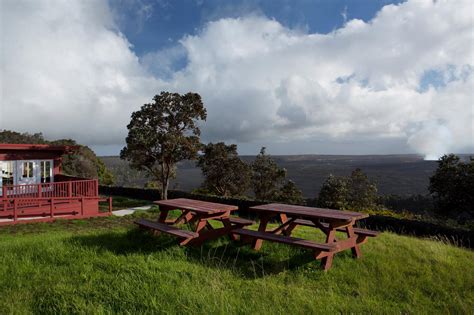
[
  {"x": 362, "y": 192},
  {"x": 163, "y": 133},
  {"x": 334, "y": 193},
  {"x": 267, "y": 177},
  {"x": 355, "y": 192},
  {"x": 8, "y": 136},
  {"x": 290, "y": 193},
  {"x": 105, "y": 176},
  {"x": 82, "y": 163},
  {"x": 226, "y": 174},
  {"x": 452, "y": 186}
]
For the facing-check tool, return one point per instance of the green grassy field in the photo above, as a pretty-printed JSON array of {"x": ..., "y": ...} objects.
[{"x": 106, "y": 265}]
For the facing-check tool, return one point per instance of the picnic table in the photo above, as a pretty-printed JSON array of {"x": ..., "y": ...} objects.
[
  {"x": 197, "y": 213},
  {"x": 328, "y": 220}
]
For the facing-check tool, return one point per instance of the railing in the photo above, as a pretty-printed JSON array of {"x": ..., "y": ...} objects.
[
  {"x": 63, "y": 189},
  {"x": 20, "y": 210}
]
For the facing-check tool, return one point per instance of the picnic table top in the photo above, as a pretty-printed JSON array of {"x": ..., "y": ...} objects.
[
  {"x": 196, "y": 205},
  {"x": 310, "y": 212}
]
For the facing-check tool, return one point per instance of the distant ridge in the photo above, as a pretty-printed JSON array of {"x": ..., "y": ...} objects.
[{"x": 401, "y": 174}]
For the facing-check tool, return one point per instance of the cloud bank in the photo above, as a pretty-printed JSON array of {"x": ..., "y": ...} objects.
[
  {"x": 67, "y": 71},
  {"x": 408, "y": 74}
]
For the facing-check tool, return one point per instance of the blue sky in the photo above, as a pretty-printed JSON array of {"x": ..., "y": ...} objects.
[{"x": 299, "y": 77}]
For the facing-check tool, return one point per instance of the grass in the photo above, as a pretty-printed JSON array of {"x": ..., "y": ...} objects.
[
  {"x": 106, "y": 265},
  {"x": 120, "y": 202}
]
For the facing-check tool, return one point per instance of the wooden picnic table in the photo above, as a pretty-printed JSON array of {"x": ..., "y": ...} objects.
[
  {"x": 197, "y": 213},
  {"x": 328, "y": 220}
]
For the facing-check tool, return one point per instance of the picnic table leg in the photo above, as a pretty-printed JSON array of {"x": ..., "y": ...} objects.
[
  {"x": 289, "y": 229},
  {"x": 211, "y": 232},
  {"x": 163, "y": 215},
  {"x": 161, "y": 219},
  {"x": 326, "y": 262},
  {"x": 356, "y": 249},
  {"x": 228, "y": 226},
  {"x": 201, "y": 224},
  {"x": 185, "y": 217},
  {"x": 257, "y": 244}
]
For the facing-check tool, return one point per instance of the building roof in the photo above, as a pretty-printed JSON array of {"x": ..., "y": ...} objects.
[{"x": 38, "y": 147}]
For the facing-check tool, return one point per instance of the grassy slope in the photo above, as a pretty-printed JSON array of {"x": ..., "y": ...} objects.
[{"x": 106, "y": 265}]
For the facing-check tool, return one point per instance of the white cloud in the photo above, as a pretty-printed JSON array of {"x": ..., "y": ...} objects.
[
  {"x": 360, "y": 81},
  {"x": 69, "y": 71}
]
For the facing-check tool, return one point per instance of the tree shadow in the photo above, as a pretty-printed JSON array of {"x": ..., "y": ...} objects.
[
  {"x": 222, "y": 253},
  {"x": 245, "y": 261},
  {"x": 134, "y": 241}
]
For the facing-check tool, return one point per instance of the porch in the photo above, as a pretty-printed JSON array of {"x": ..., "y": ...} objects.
[{"x": 66, "y": 197}]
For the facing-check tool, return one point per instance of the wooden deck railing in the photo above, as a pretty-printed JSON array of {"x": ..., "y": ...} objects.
[
  {"x": 63, "y": 189},
  {"x": 24, "y": 210}
]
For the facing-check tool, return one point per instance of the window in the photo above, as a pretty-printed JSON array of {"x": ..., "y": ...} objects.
[
  {"x": 46, "y": 171},
  {"x": 7, "y": 172},
  {"x": 27, "y": 169}
]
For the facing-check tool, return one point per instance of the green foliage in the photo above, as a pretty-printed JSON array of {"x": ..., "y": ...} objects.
[
  {"x": 163, "y": 133},
  {"x": 9, "y": 136},
  {"x": 362, "y": 192},
  {"x": 153, "y": 184},
  {"x": 355, "y": 192},
  {"x": 452, "y": 186},
  {"x": 201, "y": 191},
  {"x": 225, "y": 173},
  {"x": 107, "y": 266},
  {"x": 82, "y": 163},
  {"x": 289, "y": 193},
  {"x": 334, "y": 193},
  {"x": 267, "y": 177},
  {"x": 105, "y": 176}
]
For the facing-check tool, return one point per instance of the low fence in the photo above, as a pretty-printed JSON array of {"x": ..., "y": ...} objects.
[{"x": 381, "y": 223}]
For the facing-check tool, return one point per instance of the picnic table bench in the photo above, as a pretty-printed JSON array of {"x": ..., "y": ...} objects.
[
  {"x": 197, "y": 213},
  {"x": 328, "y": 220}
]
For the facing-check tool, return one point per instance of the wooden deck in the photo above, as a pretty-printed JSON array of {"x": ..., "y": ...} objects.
[{"x": 69, "y": 199}]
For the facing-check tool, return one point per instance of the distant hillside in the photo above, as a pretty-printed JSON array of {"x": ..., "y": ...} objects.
[{"x": 394, "y": 174}]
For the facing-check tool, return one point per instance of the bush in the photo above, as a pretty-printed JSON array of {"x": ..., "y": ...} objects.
[
  {"x": 452, "y": 187},
  {"x": 355, "y": 192}
]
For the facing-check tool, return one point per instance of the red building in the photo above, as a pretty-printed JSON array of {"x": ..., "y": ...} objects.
[{"x": 32, "y": 187}]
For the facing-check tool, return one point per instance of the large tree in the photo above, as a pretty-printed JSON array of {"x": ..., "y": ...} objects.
[
  {"x": 267, "y": 177},
  {"x": 452, "y": 186},
  {"x": 163, "y": 133},
  {"x": 81, "y": 163},
  {"x": 225, "y": 173}
]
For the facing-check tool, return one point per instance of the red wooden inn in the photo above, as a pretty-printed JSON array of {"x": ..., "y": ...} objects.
[{"x": 32, "y": 187}]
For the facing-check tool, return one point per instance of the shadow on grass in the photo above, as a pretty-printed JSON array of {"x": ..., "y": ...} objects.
[
  {"x": 134, "y": 241},
  {"x": 221, "y": 253}
]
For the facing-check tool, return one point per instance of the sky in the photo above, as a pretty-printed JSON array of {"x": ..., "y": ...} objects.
[{"x": 298, "y": 77}]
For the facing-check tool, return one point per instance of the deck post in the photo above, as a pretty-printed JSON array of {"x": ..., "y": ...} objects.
[
  {"x": 82, "y": 206},
  {"x": 110, "y": 204},
  {"x": 69, "y": 189},
  {"x": 4, "y": 197},
  {"x": 51, "y": 208},
  {"x": 15, "y": 215}
]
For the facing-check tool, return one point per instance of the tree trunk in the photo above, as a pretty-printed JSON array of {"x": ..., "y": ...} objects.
[{"x": 164, "y": 189}]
